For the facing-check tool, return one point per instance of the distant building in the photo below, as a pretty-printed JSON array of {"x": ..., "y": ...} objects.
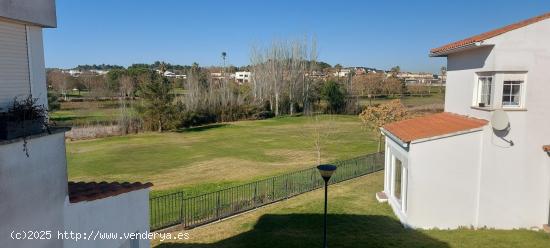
[
  {"x": 344, "y": 72},
  {"x": 360, "y": 70},
  {"x": 316, "y": 74},
  {"x": 243, "y": 76},
  {"x": 417, "y": 78},
  {"x": 216, "y": 75},
  {"x": 100, "y": 72},
  {"x": 170, "y": 74}
]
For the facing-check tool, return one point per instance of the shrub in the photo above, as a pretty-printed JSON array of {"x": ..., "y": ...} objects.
[
  {"x": 263, "y": 115},
  {"x": 335, "y": 96}
]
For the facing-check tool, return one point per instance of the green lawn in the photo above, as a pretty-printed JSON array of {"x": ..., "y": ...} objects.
[
  {"x": 355, "y": 220},
  {"x": 220, "y": 155},
  {"x": 409, "y": 101},
  {"x": 88, "y": 113}
]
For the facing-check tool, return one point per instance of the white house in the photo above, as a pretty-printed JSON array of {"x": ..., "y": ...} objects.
[
  {"x": 344, "y": 72},
  {"x": 459, "y": 168},
  {"x": 243, "y": 76},
  {"x": 417, "y": 78},
  {"x": 37, "y": 203}
]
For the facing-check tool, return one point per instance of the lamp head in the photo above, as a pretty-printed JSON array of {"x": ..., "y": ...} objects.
[{"x": 326, "y": 170}]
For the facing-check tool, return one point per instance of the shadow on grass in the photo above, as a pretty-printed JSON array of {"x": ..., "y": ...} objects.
[
  {"x": 202, "y": 128},
  {"x": 306, "y": 230}
]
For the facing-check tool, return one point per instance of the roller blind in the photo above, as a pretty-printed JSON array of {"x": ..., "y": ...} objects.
[{"x": 14, "y": 67}]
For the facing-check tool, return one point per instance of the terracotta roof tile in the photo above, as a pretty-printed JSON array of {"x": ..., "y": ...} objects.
[
  {"x": 490, "y": 34},
  {"x": 432, "y": 126},
  {"x": 546, "y": 148},
  {"x": 89, "y": 191}
]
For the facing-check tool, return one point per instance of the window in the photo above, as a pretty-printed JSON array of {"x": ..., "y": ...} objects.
[
  {"x": 500, "y": 90},
  {"x": 485, "y": 91},
  {"x": 511, "y": 93},
  {"x": 398, "y": 177}
]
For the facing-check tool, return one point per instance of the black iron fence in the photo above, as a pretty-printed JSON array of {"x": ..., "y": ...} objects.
[{"x": 172, "y": 209}]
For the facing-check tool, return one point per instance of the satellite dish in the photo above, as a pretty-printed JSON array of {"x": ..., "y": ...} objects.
[{"x": 500, "y": 120}]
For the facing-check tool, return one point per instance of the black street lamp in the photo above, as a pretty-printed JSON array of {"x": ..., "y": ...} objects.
[{"x": 326, "y": 171}]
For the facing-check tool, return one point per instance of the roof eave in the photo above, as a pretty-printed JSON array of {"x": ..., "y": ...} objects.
[
  {"x": 446, "y": 52},
  {"x": 397, "y": 140},
  {"x": 406, "y": 144}
]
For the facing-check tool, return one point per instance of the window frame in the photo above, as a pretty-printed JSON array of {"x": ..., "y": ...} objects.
[
  {"x": 497, "y": 90},
  {"x": 515, "y": 76},
  {"x": 479, "y": 90},
  {"x": 397, "y": 167},
  {"x": 401, "y": 202}
]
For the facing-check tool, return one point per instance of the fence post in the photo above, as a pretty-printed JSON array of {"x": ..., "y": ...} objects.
[
  {"x": 255, "y": 193},
  {"x": 218, "y": 206},
  {"x": 182, "y": 221},
  {"x": 286, "y": 186},
  {"x": 273, "y": 189}
]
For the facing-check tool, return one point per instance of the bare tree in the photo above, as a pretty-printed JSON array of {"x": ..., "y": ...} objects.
[
  {"x": 320, "y": 129},
  {"x": 279, "y": 73}
]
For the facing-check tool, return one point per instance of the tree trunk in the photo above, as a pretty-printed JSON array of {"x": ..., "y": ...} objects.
[
  {"x": 379, "y": 143},
  {"x": 160, "y": 126},
  {"x": 276, "y": 103}
]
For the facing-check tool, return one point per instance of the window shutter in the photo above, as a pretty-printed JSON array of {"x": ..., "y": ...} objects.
[{"x": 14, "y": 66}]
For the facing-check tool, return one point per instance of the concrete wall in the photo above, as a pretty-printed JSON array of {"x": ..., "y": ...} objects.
[
  {"x": 443, "y": 181},
  {"x": 32, "y": 189},
  {"x": 39, "y": 12},
  {"x": 125, "y": 213},
  {"x": 515, "y": 179}
]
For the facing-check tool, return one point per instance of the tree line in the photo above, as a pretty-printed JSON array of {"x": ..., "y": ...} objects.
[{"x": 282, "y": 83}]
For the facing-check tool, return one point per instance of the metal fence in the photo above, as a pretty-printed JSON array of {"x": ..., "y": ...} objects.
[{"x": 172, "y": 209}]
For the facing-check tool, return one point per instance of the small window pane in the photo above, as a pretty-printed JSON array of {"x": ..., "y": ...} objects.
[
  {"x": 511, "y": 93},
  {"x": 485, "y": 90},
  {"x": 398, "y": 178}
]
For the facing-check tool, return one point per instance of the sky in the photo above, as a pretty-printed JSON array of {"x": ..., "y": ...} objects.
[{"x": 379, "y": 34}]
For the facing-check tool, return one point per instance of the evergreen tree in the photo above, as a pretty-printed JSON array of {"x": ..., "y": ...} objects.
[{"x": 159, "y": 108}]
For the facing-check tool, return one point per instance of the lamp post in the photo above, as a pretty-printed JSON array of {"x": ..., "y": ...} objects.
[{"x": 326, "y": 171}]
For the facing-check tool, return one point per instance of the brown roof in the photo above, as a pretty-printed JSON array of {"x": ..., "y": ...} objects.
[
  {"x": 490, "y": 34},
  {"x": 546, "y": 148},
  {"x": 89, "y": 191},
  {"x": 432, "y": 125}
]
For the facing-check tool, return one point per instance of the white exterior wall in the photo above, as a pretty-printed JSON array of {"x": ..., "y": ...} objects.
[
  {"x": 442, "y": 179},
  {"x": 515, "y": 186},
  {"x": 124, "y": 213},
  {"x": 33, "y": 189}
]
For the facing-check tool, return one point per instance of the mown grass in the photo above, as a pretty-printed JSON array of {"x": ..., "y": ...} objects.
[
  {"x": 409, "y": 101},
  {"x": 208, "y": 158},
  {"x": 88, "y": 113},
  {"x": 355, "y": 220}
]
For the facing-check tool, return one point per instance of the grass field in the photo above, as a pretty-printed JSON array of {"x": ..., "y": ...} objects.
[
  {"x": 355, "y": 220},
  {"x": 409, "y": 101},
  {"x": 87, "y": 113},
  {"x": 212, "y": 157}
]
